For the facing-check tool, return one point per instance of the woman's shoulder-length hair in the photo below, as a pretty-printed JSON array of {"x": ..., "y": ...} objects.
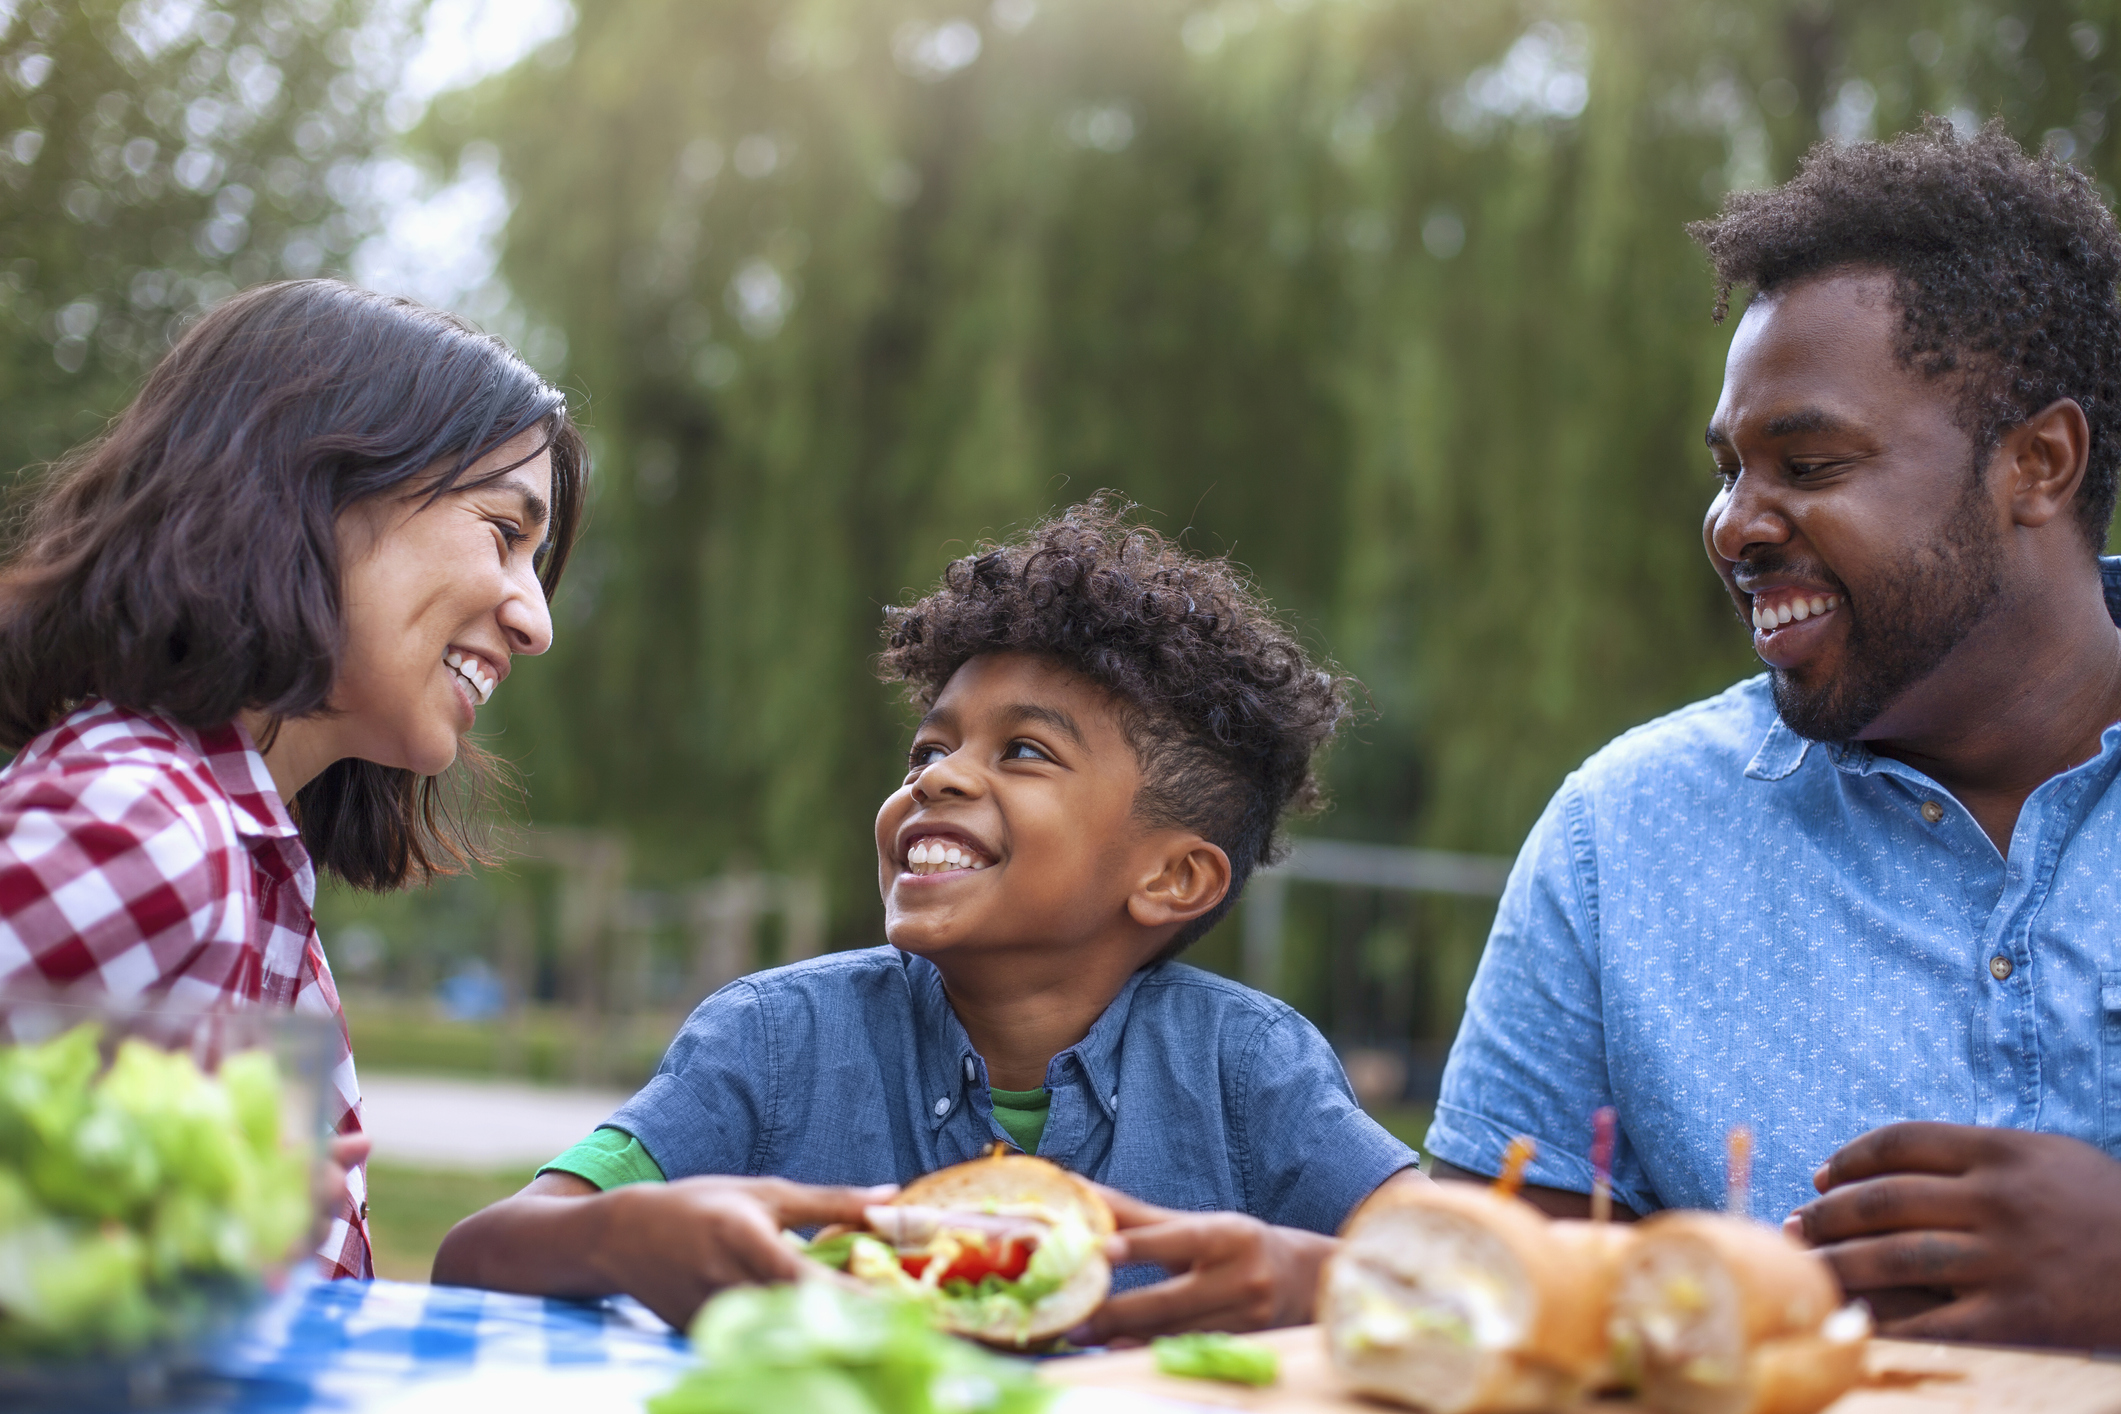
[{"x": 186, "y": 561}]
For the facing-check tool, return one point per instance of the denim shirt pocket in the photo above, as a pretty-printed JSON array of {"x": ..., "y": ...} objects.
[{"x": 2110, "y": 1060}]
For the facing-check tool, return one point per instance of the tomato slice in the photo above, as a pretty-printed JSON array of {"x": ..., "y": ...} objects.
[{"x": 976, "y": 1261}]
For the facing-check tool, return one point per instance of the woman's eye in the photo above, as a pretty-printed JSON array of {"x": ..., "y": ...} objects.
[{"x": 1023, "y": 751}]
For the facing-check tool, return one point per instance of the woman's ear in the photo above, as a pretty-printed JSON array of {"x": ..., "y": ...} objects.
[{"x": 1192, "y": 878}]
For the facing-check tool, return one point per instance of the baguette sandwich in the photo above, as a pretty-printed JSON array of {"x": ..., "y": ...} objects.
[
  {"x": 1720, "y": 1315},
  {"x": 1008, "y": 1250},
  {"x": 1458, "y": 1300}
]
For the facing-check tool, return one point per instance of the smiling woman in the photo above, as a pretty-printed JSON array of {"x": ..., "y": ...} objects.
[{"x": 244, "y": 633}]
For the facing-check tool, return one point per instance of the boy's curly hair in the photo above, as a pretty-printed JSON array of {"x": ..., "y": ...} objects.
[
  {"x": 1224, "y": 710},
  {"x": 2004, "y": 266}
]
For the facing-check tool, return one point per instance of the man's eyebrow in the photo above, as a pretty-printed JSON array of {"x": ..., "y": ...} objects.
[
  {"x": 1051, "y": 716},
  {"x": 1805, "y": 420}
]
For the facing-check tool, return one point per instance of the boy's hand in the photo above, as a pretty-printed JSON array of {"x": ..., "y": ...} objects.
[
  {"x": 673, "y": 1245},
  {"x": 2013, "y": 1237},
  {"x": 1231, "y": 1273}
]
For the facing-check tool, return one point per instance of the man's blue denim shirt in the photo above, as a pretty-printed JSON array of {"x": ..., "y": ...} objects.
[
  {"x": 1191, "y": 1092},
  {"x": 1718, "y": 922}
]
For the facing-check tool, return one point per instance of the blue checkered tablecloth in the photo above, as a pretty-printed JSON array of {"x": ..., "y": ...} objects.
[
  {"x": 386, "y": 1347},
  {"x": 392, "y": 1346}
]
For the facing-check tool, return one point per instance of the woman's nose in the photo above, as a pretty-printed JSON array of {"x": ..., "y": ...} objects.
[{"x": 527, "y": 620}]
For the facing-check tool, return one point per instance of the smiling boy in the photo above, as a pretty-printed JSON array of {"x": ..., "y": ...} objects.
[{"x": 1113, "y": 731}]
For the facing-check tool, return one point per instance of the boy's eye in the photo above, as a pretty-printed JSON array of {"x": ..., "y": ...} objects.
[
  {"x": 926, "y": 754},
  {"x": 1024, "y": 751}
]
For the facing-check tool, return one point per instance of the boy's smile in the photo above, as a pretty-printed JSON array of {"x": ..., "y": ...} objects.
[{"x": 1015, "y": 827}]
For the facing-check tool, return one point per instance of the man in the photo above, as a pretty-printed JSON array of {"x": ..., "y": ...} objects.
[{"x": 1882, "y": 882}]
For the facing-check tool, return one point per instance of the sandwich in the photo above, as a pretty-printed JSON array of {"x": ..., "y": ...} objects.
[
  {"x": 1460, "y": 1300},
  {"x": 1008, "y": 1250},
  {"x": 1721, "y": 1315}
]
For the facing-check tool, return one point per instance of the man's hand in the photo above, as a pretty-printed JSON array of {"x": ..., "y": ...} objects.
[
  {"x": 2019, "y": 1234},
  {"x": 1231, "y": 1273},
  {"x": 669, "y": 1245}
]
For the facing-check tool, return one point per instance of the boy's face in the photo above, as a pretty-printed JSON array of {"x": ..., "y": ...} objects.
[{"x": 1022, "y": 769}]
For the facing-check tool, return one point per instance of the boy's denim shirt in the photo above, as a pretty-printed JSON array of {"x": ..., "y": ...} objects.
[
  {"x": 1717, "y": 922},
  {"x": 1191, "y": 1092}
]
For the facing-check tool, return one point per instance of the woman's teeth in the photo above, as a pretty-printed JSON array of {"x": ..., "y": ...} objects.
[
  {"x": 473, "y": 672},
  {"x": 1768, "y": 620},
  {"x": 934, "y": 856}
]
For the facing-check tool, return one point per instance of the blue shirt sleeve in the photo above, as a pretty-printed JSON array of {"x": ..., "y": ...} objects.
[
  {"x": 1307, "y": 1153},
  {"x": 709, "y": 1107},
  {"x": 1530, "y": 1055}
]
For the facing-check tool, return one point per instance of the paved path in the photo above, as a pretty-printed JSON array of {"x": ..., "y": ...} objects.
[{"x": 458, "y": 1123}]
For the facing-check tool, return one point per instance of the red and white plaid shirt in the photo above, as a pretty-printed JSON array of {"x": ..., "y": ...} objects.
[{"x": 140, "y": 858}]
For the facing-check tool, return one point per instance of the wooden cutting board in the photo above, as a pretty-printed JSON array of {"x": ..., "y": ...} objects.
[{"x": 1901, "y": 1377}]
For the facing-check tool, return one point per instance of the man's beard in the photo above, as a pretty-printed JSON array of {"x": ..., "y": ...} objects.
[{"x": 1904, "y": 627}]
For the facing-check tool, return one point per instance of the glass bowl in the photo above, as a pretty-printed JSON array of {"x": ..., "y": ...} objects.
[{"x": 156, "y": 1165}]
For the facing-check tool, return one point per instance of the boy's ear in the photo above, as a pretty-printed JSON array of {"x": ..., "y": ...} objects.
[{"x": 1194, "y": 877}]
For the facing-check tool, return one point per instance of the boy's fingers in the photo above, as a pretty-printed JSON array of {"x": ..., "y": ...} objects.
[
  {"x": 1183, "y": 1241},
  {"x": 1155, "y": 1310},
  {"x": 1951, "y": 1259},
  {"x": 801, "y": 1204},
  {"x": 1132, "y": 1212}
]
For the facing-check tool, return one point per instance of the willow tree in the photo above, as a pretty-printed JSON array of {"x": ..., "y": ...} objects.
[
  {"x": 1391, "y": 300},
  {"x": 154, "y": 157}
]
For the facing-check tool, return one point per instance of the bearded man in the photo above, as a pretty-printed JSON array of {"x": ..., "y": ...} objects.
[{"x": 1867, "y": 904}]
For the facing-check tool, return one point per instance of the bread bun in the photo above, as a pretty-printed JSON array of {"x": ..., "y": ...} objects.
[
  {"x": 1721, "y": 1315},
  {"x": 1450, "y": 1298},
  {"x": 1019, "y": 1184}
]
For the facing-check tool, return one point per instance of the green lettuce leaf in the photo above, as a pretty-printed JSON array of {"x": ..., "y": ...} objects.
[{"x": 1211, "y": 1355}]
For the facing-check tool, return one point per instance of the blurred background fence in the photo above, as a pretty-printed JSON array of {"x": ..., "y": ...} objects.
[{"x": 1388, "y": 298}]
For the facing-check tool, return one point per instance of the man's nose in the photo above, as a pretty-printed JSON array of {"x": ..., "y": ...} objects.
[{"x": 1746, "y": 513}]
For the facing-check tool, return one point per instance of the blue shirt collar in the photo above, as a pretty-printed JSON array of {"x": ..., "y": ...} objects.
[
  {"x": 952, "y": 1070},
  {"x": 1782, "y": 751}
]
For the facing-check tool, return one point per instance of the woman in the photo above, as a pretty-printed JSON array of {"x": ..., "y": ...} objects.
[{"x": 243, "y": 633}]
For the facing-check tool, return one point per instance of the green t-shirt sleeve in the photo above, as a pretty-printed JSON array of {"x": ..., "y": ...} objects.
[{"x": 609, "y": 1158}]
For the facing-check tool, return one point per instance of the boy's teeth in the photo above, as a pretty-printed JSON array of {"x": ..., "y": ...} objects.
[{"x": 934, "y": 856}]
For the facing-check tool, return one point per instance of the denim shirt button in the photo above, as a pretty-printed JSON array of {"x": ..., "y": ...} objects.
[
  {"x": 1932, "y": 811},
  {"x": 942, "y": 1107},
  {"x": 971, "y": 1070},
  {"x": 1999, "y": 967}
]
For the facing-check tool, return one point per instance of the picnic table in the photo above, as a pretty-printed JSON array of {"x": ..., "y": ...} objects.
[{"x": 386, "y": 1347}]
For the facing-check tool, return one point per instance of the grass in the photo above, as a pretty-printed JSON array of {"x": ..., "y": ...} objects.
[
  {"x": 544, "y": 1044},
  {"x": 411, "y": 1209}
]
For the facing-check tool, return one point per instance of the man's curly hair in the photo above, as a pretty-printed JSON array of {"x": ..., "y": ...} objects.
[
  {"x": 2004, "y": 266},
  {"x": 1224, "y": 710}
]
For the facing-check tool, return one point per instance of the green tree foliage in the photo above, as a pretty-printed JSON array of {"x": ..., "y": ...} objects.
[
  {"x": 154, "y": 157},
  {"x": 1390, "y": 299}
]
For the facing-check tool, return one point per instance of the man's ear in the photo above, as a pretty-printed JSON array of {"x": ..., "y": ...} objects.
[
  {"x": 1192, "y": 879},
  {"x": 2043, "y": 460}
]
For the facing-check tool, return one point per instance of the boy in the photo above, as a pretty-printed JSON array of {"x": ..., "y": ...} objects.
[{"x": 1113, "y": 730}]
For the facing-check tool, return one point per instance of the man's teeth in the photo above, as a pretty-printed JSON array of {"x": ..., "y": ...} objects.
[
  {"x": 934, "y": 856},
  {"x": 473, "y": 672},
  {"x": 1768, "y": 620}
]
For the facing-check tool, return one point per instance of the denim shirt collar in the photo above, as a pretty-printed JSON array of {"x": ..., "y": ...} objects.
[
  {"x": 954, "y": 1073},
  {"x": 1782, "y": 751}
]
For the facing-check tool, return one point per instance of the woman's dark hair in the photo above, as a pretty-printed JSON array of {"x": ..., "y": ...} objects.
[
  {"x": 2004, "y": 266},
  {"x": 186, "y": 562},
  {"x": 1224, "y": 710}
]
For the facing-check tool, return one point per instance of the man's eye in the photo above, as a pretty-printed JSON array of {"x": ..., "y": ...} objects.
[
  {"x": 1725, "y": 474},
  {"x": 1024, "y": 751}
]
